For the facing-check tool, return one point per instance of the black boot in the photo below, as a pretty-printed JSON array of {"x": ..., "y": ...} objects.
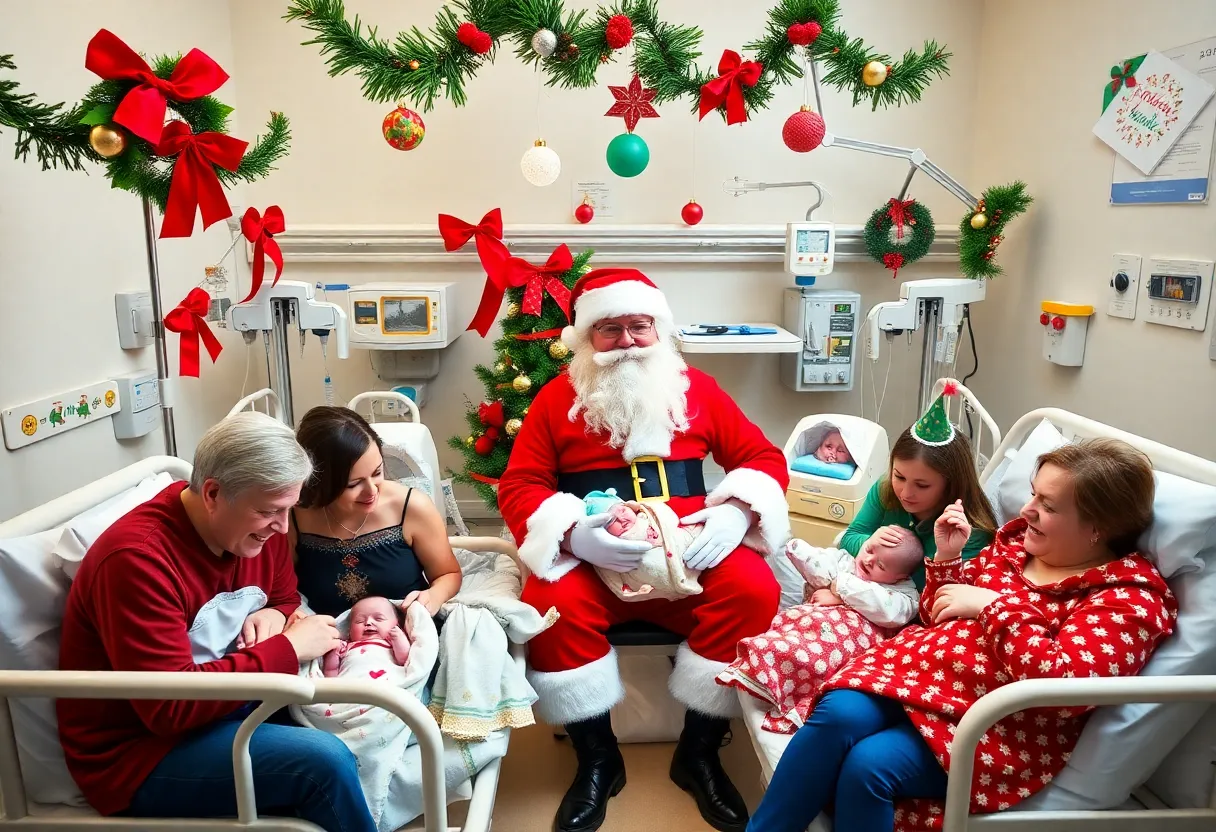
[
  {"x": 696, "y": 769},
  {"x": 601, "y": 775}
]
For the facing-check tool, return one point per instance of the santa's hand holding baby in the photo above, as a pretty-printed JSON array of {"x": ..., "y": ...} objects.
[{"x": 629, "y": 414}]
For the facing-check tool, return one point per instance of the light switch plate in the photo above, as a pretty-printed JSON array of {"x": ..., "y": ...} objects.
[
  {"x": 1123, "y": 303},
  {"x": 133, "y": 311}
]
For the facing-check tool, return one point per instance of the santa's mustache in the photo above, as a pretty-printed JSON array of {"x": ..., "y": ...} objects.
[{"x": 633, "y": 353}]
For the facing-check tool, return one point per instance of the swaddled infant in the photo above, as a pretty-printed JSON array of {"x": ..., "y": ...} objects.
[
  {"x": 832, "y": 449},
  {"x": 876, "y": 583},
  {"x": 375, "y": 624},
  {"x": 662, "y": 572}
]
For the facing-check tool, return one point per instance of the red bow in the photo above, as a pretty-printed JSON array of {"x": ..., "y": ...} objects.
[
  {"x": 491, "y": 415},
  {"x": 456, "y": 234},
  {"x": 504, "y": 272},
  {"x": 734, "y": 73},
  {"x": 1122, "y": 75},
  {"x": 142, "y": 109},
  {"x": 894, "y": 261},
  {"x": 195, "y": 183},
  {"x": 260, "y": 231},
  {"x": 189, "y": 320},
  {"x": 898, "y": 212}
]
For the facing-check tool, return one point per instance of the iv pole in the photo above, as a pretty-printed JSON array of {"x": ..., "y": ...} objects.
[{"x": 158, "y": 329}]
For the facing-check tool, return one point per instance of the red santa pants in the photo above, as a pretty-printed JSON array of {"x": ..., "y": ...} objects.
[{"x": 574, "y": 669}]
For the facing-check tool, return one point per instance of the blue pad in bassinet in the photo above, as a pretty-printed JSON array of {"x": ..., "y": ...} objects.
[{"x": 810, "y": 464}]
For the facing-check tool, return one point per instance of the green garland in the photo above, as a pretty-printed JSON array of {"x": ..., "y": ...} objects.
[
  {"x": 918, "y": 235},
  {"x": 60, "y": 137},
  {"x": 977, "y": 246},
  {"x": 421, "y": 67}
]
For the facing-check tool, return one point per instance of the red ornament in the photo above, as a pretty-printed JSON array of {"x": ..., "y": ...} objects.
[
  {"x": 472, "y": 37},
  {"x": 803, "y": 131},
  {"x": 894, "y": 261},
  {"x": 403, "y": 129},
  {"x": 804, "y": 34},
  {"x": 584, "y": 213},
  {"x": 632, "y": 103},
  {"x": 618, "y": 32},
  {"x": 692, "y": 213},
  {"x": 484, "y": 445}
]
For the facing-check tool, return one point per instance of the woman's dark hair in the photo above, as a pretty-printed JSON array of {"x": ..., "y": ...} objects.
[
  {"x": 335, "y": 438},
  {"x": 956, "y": 464}
]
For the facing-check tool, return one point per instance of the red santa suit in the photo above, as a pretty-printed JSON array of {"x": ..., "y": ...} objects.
[{"x": 572, "y": 666}]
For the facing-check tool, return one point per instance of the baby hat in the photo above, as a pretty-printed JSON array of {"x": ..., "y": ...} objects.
[{"x": 598, "y": 502}]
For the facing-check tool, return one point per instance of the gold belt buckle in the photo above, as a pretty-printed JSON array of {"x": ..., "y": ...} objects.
[{"x": 664, "y": 494}]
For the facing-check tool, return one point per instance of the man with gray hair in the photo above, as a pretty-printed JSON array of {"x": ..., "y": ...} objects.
[{"x": 200, "y": 579}]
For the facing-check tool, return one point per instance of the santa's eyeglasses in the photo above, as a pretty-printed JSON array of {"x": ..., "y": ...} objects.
[{"x": 638, "y": 329}]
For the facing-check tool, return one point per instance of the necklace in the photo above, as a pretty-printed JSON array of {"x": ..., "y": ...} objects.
[{"x": 353, "y": 532}]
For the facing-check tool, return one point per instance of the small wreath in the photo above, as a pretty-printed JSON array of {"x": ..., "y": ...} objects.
[{"x": 914, "y": 233}]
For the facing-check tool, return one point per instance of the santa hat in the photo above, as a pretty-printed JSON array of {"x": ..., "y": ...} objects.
[{"x": 610, "y": 293}]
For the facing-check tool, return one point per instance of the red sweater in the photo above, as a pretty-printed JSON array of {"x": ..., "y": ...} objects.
[{"x": 136, "y": 595}]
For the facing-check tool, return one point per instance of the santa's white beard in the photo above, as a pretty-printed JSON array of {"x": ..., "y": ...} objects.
[{"x": 636, "y": 396}]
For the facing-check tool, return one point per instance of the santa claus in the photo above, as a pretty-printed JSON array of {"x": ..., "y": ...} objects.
[{"x": 629, "y": 414}]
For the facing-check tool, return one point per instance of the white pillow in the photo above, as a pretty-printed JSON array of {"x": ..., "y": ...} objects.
[
  {"x": 82, "y": 531},
  {"x": 1014, "y": 490}
]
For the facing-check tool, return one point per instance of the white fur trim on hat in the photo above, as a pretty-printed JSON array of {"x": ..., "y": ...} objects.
[
  {"x": 626, "y": 297},
  {"x": 692, "y": 683},
  {"x": 570, "y": 337},
  {"x": 574, "y": 695}
]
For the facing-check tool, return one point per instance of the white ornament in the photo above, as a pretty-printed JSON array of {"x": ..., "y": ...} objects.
[
  {"x": 544, "y": 43},
  {"x": 540, "y": 165}
]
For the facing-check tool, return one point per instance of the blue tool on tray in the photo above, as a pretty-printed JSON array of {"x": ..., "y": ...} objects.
[{"x": 728, "y": 329}]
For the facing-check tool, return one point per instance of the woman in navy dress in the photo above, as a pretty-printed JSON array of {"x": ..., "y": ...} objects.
[{"x": 356, "y": 534}]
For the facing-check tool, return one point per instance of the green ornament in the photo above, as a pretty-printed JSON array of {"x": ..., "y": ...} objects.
[
  {"x": 628, "y": 155},
  {"x": 934, "y": 427}
]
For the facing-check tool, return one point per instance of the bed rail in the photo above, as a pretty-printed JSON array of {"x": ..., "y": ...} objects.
[
  {"x": 957, "y": 408},
  {"x": 381, "y": 396},
  {"x": 273, "y": 406}
]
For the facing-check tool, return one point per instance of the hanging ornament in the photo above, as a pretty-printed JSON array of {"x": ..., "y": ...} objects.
[
  {"x": 803, "y": 34},
  {"x": 628, "y": 155},
  {"x": 522, "y": 384},
  {"x": 557, "y": 350},
  {"x": 979, "y": 220},
  {"x": 544, "y": 42},
  {"x": 513, "y": 426},
  {"x": 524, "y": 412},
  {"x": 692, "y": 213},
  {"x": 512, "y": 309},
  {"x": 585, "y": 212},
  {"x": 477, "y": 41},
  {"x": 414, "y": 65},
  {"x": 403, "y": 128},
  {"x": 632, "y": 103},
  {"x": 540, "y": 164},
  {"x": 804, "y": 130},
  {"x": 500, "y": 368},
  {"x": 484, "y": 445},
  {"x": 567, "y": 49},
  {"x": 469, "y": 440},
  {"x": 874, "y": 74},
  {"x": 618, "y": 32},
  {"x": 107, "y": 140}
]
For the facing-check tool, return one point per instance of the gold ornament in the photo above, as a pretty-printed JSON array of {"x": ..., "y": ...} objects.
[
  {"x": 414, "y": 64},
  {"x": 513, "y": 426},
  {"x": 979, "y": 220},
  {"x": 522, "y": 383},
  {"x": 512, "y": 309},
  {"x": 469, "y": 440},
  {"x": 558, "y": 350},
  {"x": 874, "y": 73},
  {"x": 500, "y": 368},
  {"x": 106, "y": 141},
  {"x": 524, "y": 412}
]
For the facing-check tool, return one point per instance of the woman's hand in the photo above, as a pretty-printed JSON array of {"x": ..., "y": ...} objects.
[
  {"x": 890, "y": 536},
  {"x": 961, "y": 601},
  {"x": 424, "y": 597},
  {"x": 951, "y": 532},
  {"x": 825, "y": 598}
]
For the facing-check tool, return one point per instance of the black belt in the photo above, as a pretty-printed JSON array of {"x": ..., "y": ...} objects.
[{"x": 648, "y": 479}]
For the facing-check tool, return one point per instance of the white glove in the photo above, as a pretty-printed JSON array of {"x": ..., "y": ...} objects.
[
  {"x": 725, "y": 526},
  {"x": 591, "y": 542}
]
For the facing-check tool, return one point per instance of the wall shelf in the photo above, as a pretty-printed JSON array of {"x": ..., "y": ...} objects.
[{"x": 782, "y": 341}]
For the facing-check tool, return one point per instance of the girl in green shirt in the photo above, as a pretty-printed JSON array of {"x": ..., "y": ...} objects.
[{"x": 922, "y": 480}]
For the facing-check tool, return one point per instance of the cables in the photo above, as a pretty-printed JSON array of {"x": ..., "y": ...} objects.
[{"x": 975, "y": 368}]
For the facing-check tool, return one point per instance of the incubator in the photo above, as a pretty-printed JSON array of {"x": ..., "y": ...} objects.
[{"x": 824, "y": 497}]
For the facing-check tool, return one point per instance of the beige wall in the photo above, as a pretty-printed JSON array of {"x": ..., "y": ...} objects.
[{"x": 1036, "y": 119}]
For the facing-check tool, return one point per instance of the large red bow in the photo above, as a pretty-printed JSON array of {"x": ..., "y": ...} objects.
[
  {"x": 734, "y": 73},
  {"x": 142, "y": 109},
  {"x": 189, "y": 319},
  {"x": 898, "y": 212},
  {"x": 259, "y": 230},
  {"x": 195, "y": 183},
  {"x": 456, "y": 233},
  {"x": 505, "y": 272}
]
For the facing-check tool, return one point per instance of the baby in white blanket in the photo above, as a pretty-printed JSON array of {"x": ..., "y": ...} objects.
[
  {"x": 662, "y": 574},
  {"x": 376, "y": 628},
  {"x": 876, "y": 583}
]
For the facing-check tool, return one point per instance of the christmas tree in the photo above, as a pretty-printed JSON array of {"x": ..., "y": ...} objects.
[{"x": 530, "y": 354}]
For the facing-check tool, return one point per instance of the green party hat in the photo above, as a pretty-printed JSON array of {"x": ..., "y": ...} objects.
[{"x": 934, "y": 427}]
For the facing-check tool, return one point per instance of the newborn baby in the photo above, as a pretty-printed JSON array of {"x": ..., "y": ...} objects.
[
  {"x": 832, "y": 449},
  {"x": 375, "y": 624},
  {"x": 662, "y": 572}
]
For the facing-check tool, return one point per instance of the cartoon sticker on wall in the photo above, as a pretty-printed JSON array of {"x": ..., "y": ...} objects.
[
  {"x": 56, "y": 417},
  {"x": 35, "y": 421},
  {"x": 111, "y": 397},
  {"x": 29, "y": 425},
  {"x": 82, "y": 409}
]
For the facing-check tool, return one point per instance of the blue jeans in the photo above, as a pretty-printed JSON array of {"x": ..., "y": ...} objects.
[
  {"x": 860, "y": 751},
  {"x": 297, "y": 772}
]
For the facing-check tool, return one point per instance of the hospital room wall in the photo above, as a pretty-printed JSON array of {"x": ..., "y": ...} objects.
[
  {"x": 1152, "y": 380},
  {"x": 341, "y": 172},
  {"x": 68, "y": 243}
]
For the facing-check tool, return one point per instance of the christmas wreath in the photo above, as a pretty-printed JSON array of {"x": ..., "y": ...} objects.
[
  {"x": 981, "y": 230},
  {"x": 422, "y": 67},
  {"x": 899, "y": 233}
]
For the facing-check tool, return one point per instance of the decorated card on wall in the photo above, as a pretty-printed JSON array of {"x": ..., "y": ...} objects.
[{"x": 1154, "y": 105}]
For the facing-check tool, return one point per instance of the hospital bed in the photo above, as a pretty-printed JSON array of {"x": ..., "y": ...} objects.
[
  {"x": 36, "y": 791},
  {"x": 1145, "y": 760}
]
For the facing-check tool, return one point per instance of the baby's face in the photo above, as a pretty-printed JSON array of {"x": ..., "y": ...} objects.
[
  {"x": 623, "y": 519},
  {"x": 372, "y": 618},
  {"x": 832, "y": 449},
  {"x": 873, "y": 565}
]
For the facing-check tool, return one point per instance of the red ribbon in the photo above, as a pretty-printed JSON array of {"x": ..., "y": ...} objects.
[
  {"x": 503, "y": 272},
  {"x": 456, "y": 234},
  {"x": 195, "y": 183},
  {"x": 734, "y": 73},
  {"x": 893, "y": 261},
  {"x": 539, "y": 336},
  {"x": 491, "y": 415},
  {"x": 260, "y": 231},
  {"x": 899, "y": 214},
  {"x": 1120, "y": 76},
  {"x": 481, "y": 478},
  {"x": 189, "y": 319},
  {"x": 142, "y": 109}
]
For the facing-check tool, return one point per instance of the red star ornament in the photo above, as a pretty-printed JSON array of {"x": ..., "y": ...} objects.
[{"x": 632, "y": 103}]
